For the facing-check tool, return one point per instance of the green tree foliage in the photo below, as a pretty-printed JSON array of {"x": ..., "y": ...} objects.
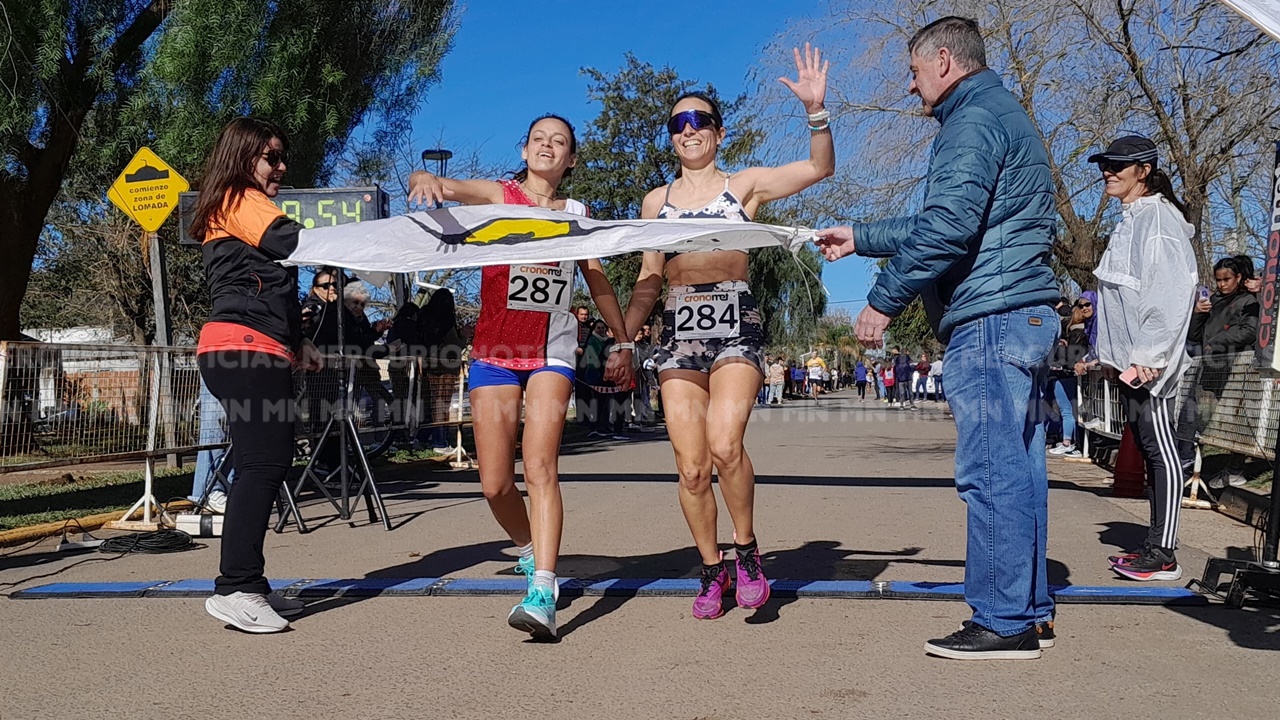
[
  {"x": 88, "y": 82},
  {"x": 625, "y": 152}
]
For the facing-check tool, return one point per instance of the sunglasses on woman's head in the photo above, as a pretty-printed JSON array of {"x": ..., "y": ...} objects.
[
  {"x": 697, "y": 119},
  {"x": 1114, "y": 166},
  {"x": 275, "y": 157}
]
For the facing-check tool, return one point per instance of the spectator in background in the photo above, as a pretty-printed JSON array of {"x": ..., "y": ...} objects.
[
  {"x": 1146, "y": 281},
  {"x": 360, "y": 336},
  {"x": 645, "y": 379},
  {"x": 1222, "y": 325},
  {"x": 1071, "y": 351},
  {"x": 777, "y": 376},
  {"x": 889, "y": 379},
  {"x": 213, "y": 430},
  {"x": 877, "y": 377},
  {"x": 935, "y": 372},
  {"x": 319, "y": 310},
  {"x": 922, "y": 378},
  {"x": 610, "y": 399},
  {"x": 902, "y": 369},
  {"x": 584, "y": 397},
  {"x": 797, "y": 381},
  {"x": 860, "y": 379}
]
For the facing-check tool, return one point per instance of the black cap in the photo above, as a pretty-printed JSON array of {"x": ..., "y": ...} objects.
[{"x": 1133, "y": 148}]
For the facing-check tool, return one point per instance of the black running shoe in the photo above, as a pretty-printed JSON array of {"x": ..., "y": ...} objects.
[
  {"x": 1155, "y": 563},
  {"x": 974, "y": 642},
  {"x": 1044, "y": 631}
]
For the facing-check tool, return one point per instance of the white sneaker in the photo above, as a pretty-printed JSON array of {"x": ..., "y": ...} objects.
[
  {"x": 216, "y": 502},
  {"x": 1061, "y": 449},
  {"x": 250, "y": 612},
  {"x": 285, "y": 607}
]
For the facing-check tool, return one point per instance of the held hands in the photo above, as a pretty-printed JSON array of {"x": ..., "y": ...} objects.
[
  {"x": 870, "y": 327},
  {"x": 810, "y": 85},
  {"x": 618, "y": 370},
  {"x": 835, "y": 243},
  {"x": 425, "y": 189},
  {"x": 1203, "y": 306}
]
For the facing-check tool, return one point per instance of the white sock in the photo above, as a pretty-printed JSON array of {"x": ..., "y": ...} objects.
[
  {"x": 545, "y": 579},
  {"x": 526, "y": 551}
]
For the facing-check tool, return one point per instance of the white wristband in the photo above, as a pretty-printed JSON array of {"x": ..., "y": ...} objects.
[
  {"x": 619, "y": 347},
  {"x": 820, "y": 116}
]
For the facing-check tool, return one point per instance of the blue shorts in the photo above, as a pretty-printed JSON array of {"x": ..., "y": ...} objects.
[{"x": 484, "y": 374}]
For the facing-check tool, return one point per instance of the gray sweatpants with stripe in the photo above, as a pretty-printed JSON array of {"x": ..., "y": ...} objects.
[{"x": 1151, "y": 420}]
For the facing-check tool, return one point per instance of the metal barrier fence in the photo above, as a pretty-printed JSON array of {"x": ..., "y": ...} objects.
[
  {"x": 1232, "y": 404},
  {"x": 63, "y": 404}
]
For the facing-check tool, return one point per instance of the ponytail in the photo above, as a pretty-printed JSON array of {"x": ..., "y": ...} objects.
[{"x": 1157, "y": 181}]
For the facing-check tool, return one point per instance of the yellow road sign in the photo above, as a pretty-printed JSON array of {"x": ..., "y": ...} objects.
[{"x": 147, "y": 190}]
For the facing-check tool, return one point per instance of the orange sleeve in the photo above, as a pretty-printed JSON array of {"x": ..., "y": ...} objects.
[{"x": 247, "y": 220}]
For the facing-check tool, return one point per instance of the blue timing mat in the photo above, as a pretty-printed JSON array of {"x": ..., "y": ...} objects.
[{"x": 613, "y": 587}]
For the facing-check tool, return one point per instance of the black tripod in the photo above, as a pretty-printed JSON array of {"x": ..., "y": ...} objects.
[
  {"x": 220, "y": 480},
  {"x": 1250, "y": 579},
  {"x": 353, "y": 464}
]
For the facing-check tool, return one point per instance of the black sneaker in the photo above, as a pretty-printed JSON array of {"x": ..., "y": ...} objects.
[
  {"x": 1155, "y": 563},
  {"x": 974, "y": 642},
  {"x": 1126, "y": 558},
  {"x": 1044, "y": 631}
]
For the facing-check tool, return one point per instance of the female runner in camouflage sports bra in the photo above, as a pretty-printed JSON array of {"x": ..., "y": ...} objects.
[{"x": 710, "y": 363}]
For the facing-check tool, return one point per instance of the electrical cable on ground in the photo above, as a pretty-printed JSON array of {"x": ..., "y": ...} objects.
[{"x": 150, "y": 543}]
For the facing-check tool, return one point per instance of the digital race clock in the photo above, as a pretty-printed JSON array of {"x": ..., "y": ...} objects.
[{"x": 313, "y": 207}]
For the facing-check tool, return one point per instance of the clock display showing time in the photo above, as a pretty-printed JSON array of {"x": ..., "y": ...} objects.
[{"x": 312, "y": 207}]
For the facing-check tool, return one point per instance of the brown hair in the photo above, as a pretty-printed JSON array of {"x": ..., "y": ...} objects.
[{"x": 228, "y": 172}]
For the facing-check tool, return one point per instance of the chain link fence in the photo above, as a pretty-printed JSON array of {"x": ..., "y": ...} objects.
[{"x": 63, "y": 404}]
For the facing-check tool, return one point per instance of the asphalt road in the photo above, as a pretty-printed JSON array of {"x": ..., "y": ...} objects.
[{"x": 847, "y": 491}]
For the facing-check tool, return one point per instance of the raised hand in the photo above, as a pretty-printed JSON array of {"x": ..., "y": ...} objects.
[
  {"x": 425, "y": 189},
  {"x": 810, "y": 85}
]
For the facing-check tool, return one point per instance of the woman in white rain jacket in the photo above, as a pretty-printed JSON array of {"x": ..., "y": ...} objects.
[{"x": 1146, "y": 287}]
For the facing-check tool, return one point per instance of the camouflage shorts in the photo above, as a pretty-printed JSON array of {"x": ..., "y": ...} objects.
[{"x": 702, "y": 354}]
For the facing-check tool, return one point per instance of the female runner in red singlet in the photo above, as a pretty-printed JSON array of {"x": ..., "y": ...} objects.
[{"x": 525, "y": 349}]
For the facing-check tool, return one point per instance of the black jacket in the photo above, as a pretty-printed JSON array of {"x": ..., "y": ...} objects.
[
  {"x": 1231, "y": 326},
  {"x": 247, "y": 285}
]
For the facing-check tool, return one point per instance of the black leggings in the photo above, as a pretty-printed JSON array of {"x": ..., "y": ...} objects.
[
  {"x": 862, "y": 389},
  {"x": 256, "y": 390}
]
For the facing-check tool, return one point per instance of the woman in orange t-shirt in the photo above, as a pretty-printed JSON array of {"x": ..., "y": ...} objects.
[{"x": 246, "y": 353}]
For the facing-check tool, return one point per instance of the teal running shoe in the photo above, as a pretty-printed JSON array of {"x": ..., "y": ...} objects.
[
  {"x": 524, "y": 566},
  {"x": 536, "y": 614}
]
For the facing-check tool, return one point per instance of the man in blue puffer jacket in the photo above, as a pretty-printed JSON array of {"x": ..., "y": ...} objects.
[{"x": 978, "y": 255}]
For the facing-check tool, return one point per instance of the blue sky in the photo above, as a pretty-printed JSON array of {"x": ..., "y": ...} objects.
[{"x": 513, "y": 60}]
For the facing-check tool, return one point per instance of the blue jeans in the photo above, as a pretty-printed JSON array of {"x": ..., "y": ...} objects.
[
  {"x": 213, "y": 429},
  {"x": 937, "y": 389},
  {"x": 922, "y": 388},
  {"x": 1064, "y": 393},
  {"x": 998, "y": 367}
]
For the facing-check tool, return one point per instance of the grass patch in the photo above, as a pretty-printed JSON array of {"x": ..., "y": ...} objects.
[{"x": 66, "y": 497}]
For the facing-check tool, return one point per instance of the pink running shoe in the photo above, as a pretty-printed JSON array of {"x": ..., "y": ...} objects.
[
  {"x": 752, "y": 587},
  {"x": 715, "y": 583}
]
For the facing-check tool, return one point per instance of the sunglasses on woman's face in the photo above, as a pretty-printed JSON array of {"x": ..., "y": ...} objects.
[
  {"x": 1114, "y": 166},
  {"x": 328, "y": 285},
  {"x": 1084, "y": 304},
  {"x": 275, "y": 157},
  {"x": 696, "y": 119}
]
